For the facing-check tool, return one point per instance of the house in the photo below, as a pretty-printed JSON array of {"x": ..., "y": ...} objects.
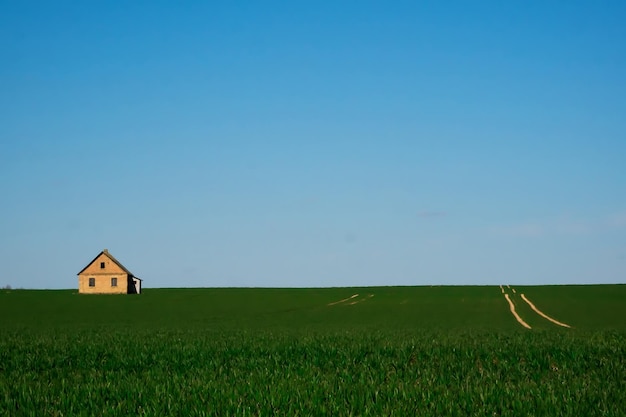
[{"x": 106, "y": 275}]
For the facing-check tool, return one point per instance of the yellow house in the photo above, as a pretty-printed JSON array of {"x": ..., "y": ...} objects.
[{"x": 106, "y": 275}]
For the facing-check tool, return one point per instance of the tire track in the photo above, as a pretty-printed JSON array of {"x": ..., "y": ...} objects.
[
  {"x": 544, "y": 315},
  {"x": 344, "y": 300},
  {"x": 517, "y": 317},
  {"x": 361, "y": 300}
]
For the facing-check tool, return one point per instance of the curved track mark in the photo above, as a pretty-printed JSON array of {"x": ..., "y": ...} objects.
[
  {"x": 542, "y": 314},
  {"x": 361, "y": 300},
  {"x": 344, "y": 300},
  {"x": 517, "y": 317}
]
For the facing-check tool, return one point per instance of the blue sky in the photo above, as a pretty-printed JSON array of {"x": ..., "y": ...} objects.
[{"x": 314, "y": 144}]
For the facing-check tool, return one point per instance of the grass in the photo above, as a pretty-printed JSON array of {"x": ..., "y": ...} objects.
[{"x": 404, "y": 351}]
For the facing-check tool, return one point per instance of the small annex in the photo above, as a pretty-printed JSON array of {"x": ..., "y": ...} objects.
[{"x": 106, "y": 275}]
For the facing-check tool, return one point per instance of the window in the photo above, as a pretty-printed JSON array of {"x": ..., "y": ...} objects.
[
  {"x": 101, "y": 265},
  {"x": 113, "y": 282},
  {"x": 92, "y": 282}
]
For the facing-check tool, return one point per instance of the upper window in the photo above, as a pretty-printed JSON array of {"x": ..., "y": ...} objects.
[
  {"x": 113, "y": 282},
  {"x": 101, "y": 265},
  {"x": 92, "y": 282}
]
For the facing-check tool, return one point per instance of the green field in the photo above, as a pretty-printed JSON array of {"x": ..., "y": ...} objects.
[{"x": 403, "y": 351}]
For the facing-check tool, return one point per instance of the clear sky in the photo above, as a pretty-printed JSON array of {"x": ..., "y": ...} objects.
[{"x": 322, "y": 143}]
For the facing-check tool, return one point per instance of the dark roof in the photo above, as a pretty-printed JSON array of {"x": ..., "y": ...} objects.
[{"x": 106, "y": 252}]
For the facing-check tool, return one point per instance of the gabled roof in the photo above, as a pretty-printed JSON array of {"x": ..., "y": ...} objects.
[{"x": 106, "y": 252}]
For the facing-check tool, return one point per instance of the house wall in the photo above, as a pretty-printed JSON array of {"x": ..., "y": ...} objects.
[
  {"x": 103, "y": 284},
  {"x": 103, "y": 278}
]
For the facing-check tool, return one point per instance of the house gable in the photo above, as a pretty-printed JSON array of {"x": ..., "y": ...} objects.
[{"x": 104, "y": 263}]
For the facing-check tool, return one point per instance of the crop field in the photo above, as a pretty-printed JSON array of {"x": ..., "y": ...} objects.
[{"x": 378, "y": 351}]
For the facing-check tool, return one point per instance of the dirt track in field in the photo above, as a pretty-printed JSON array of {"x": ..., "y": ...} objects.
[
  {"x": 362, "y": 299},
  {"x": 532, "y": 306},
  {"x": 344, "y": 300},
  {"x": 517, "y": 317},
  {"x": 542, "y": 314}
]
